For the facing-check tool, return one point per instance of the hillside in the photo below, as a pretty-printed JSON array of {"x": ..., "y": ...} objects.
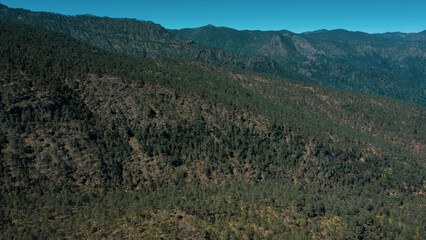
[
  {"x": 142, "y": 38},
  {"x": 101, "y": 145},
  {"x": 369, "y": 63},
  {"x": 382, "y": 64}
]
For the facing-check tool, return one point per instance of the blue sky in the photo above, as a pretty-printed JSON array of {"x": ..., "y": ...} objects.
[{"x": 373, "y": 16}]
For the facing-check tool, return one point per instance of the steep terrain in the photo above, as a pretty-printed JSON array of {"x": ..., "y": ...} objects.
[
  {"x": 388, "y": 64},
  {"x": 383, "y": 64},
  {"x": 102, "y": 145},
  {"x": 142, "y": 38}
]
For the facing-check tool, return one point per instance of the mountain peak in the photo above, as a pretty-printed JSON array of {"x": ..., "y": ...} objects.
[
  {"x": 89, "y": 136},
  {"x": 316, "y": 31}
]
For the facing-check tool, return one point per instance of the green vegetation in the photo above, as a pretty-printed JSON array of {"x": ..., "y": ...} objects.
[
  {"x": 375, "y": 64},
  {"x": 101, "y": 145},
  {"x": 237, "y": 211},
  {"x": 141, "y": 38},
  {"x": 355, "y": 61}
]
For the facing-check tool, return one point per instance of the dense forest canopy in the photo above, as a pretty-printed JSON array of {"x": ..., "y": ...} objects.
[
  {"x": 99, "y": 144},
  {"x": 393, "y": 65},
  {"x": 388, "y": 64}
]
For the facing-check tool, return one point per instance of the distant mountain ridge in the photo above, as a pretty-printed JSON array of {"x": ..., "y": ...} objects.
[
  {"x": 97, "y": 144},
  {"x": 142, "y": 38},
  {"x": 354, "y": 61},
  {"x": 384, "y": 64},
  {"x": 420, "y": 36}
]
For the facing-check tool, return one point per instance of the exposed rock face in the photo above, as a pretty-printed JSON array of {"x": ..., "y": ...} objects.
[
  {"x": 384, "y": 64},
  {"x": 304, "y": 47},
  {"x": 274, "y": 47}
]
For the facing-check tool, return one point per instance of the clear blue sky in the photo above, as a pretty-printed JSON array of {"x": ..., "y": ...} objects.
[{"x": 373, "y": 16}]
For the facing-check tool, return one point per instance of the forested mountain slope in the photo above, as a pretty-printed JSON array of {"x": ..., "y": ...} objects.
[
  {"x": 389, "y": 64},
  {"x": 383, "y": 64},
  {"x": 101, "y": 145},
  {"x": 142, "y": 38}
]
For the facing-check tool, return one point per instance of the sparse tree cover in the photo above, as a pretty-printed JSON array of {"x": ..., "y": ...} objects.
[{"x": 101, "y": 145}]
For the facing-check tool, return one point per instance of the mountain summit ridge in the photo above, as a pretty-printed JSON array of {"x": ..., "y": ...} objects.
[
  {"x": 100, "y": 144},
  {"x": 351, "y": 60}
]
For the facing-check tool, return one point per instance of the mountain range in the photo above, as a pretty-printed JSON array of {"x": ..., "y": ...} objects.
[
  {"x": 141, "y": 38},
  {"x": 391, "y": 64},
  {"x": 113, "y": 135}
]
